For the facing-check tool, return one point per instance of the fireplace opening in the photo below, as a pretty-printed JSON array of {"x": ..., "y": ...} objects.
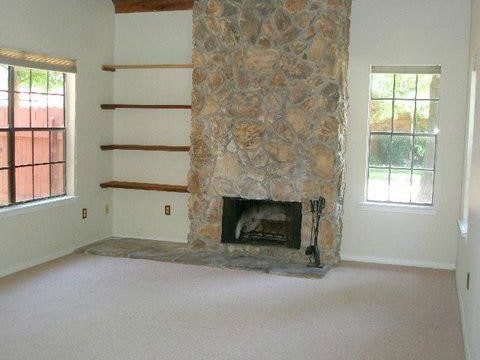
[{"x": 261, "y": 222}]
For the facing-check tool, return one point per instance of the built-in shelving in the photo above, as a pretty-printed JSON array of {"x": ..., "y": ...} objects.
[
  {"x": 144, "y": 186},
  {"x": 113, "y": 68},
  {"x": 140, "y": 185},
  {"x": 137, "y": 106},
  {"x": 145, "y": 147}
]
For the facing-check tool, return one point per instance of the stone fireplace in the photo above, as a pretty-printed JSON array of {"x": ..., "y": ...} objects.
[{"x": 268, "y": 111}]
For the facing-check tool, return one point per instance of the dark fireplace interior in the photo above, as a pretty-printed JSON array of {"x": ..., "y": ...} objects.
[{"x": 261, "y": 222}]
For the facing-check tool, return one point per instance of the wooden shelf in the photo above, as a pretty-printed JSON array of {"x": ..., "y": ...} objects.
[
  {"x": 145, "y": 147},
  {"x": 129, "y": 6},
  {"x": 144, "y": 186},
  {"x": 113, "y": 68},
  {"x": 133, "y": 106}
]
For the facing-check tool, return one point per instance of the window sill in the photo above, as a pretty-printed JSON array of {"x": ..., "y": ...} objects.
[
  {"x": 398, "y": 208},
  {"x": 36, "y": 206}
]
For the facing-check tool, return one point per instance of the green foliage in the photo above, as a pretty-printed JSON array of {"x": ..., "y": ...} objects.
[
  {"x": 397, "y": 150},
  {"x": 39, "y": 80}
]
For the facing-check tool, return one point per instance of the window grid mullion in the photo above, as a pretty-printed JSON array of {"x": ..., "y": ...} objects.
[
  {"x": 52, "y": 163},
  {"x": 404, "y": 99},
  {"x": 49, "y": 140},
  {"x": 32, "y": 133},
  {"x": 434, "y": 165},
  {"x": 403, "y": 133},
  {"x": 64, "y": 140},
  {"x": 414, "y": 130},
  {"x": 391, "y": 138},
  {"x": 11, "y": 137}
]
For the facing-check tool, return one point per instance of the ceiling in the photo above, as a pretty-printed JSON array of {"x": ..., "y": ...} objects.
[{"x": 129, "y": 6}]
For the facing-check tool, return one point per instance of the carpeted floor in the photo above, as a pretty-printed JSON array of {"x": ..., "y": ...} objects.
[{"x": 92, "y": 307}]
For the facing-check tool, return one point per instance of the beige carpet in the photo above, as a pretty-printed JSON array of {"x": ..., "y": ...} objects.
[{"x": 92, "y": 307}]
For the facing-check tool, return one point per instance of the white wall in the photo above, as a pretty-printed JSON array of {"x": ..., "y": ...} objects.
[
  {"x": 468, "y": 258},
  {"x": 407, "y": 32},
  {"x": 383, "y": 32},
  {"x": 82, "y": 30},
  {"x": 152, "y": 38}
]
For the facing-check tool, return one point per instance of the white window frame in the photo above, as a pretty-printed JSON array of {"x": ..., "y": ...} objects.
[
  {"x": 68, "y": 66},
  {"x": 391, "y": 206}
]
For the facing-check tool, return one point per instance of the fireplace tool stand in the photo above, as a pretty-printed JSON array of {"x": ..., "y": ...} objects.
[{"x": 316, "y": 207}]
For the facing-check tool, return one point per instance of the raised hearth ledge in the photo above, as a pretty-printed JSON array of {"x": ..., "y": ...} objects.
[{"x": 267, "y": 259}]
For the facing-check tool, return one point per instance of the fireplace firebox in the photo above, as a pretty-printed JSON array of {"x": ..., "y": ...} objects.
[{"x": 261, "y": 222}]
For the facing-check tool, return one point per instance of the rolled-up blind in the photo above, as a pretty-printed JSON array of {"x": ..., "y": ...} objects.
[{"x": 38, "y": 61}]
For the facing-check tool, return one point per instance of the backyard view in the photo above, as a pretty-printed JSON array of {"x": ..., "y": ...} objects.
[
  {"x": 37, "y": 133},
  {"x": 402, "y": 145}
]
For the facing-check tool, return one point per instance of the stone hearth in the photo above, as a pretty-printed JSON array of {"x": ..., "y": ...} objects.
[
  {"x": 266, "y": 260},
  {"x": 269, "y": 110}
]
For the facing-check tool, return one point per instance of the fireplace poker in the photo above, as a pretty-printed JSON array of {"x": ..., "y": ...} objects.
[{"x": 316, "y": 207}]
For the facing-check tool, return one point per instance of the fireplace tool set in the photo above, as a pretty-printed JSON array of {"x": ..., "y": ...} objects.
[{"x": 316, "y": 207}]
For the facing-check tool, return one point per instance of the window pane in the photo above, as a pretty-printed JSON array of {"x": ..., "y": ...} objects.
[
  {"x": 39, "y": 110},
  {"x": 41, "y": 150},
  {"x": 22, "y": 110},
  {"x": 401, "y": 151},
  {"x": 424, "y": 152},
  {"x": 23, "y": 183},
  {"x": 55, "y": 111},
  {"x": 405, "y": 86},
  {"x": 3, "y": 149},
  {"x": 41, "y": 176},
  {"x": 382, "y": 86},
  {"x": 428, "y": 86},
  {"x": 422, "y": 187},
  {"x": 377, "y": 184},
  {"x": 3, "y": 77},
  {"x": 4, "y": 187},
  {"x": 58, "y": 183},
  {"x": 23, "y": 148},
  {"x": 39, "y": 81},
  {"x": 3, "y": 109},
  {"x": 57, "y": 145},
  {"x": 22, "y": 79},
  {"x": 400, "y": 185},
  {"x": 403, "y": 116},
  {"x": 379, "y": 150},
  {"x": 55, "y": 82},
  {"x": 380, "y": 115},
  {"x": 426, "y": 117}
]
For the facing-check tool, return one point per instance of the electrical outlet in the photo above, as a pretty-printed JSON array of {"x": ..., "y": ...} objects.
[
  {"x": 84, "y": 213},
  {"x": 168, "y": 210},
  {"x": 107, "y": 209},
  {"x": 468, "y": 281}
]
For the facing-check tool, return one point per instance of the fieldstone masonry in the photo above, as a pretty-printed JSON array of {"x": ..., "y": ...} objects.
[{"x": 269, "y": 110}]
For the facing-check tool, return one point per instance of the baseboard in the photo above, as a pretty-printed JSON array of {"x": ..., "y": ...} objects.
[
  {"x": 175, "y": 240},
  {"x": 31, "y": 263},
  {"x": 402, "y": 262},
  {"x": 464, "y": 329},
  {"x": 35, "y": 262}
]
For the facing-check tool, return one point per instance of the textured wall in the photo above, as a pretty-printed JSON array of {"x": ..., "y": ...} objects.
[{"x": 269, "y": 109}]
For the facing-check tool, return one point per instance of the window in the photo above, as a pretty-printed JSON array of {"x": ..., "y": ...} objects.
[
  {"x": 32, "y": 134},
  {"x": 403, "y": 127}
]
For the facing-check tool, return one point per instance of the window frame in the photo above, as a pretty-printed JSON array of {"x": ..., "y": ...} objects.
[
  {"x": 402, "y": 206},
  {"x": 11, "y": 131}
]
